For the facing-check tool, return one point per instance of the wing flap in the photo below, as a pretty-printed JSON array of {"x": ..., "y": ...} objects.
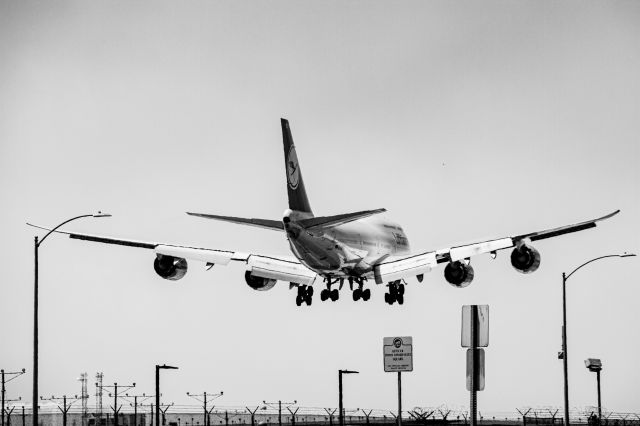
[
  {"x": 281, "y": 270},
  {"x": 404, "y": 268}
]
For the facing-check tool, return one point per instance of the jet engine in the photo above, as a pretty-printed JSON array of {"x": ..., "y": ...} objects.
[
  {"x": 259, "y": 283},
  {"x": 525, "y": 259},
  {"x": 459, "y": 274},
  {"x": 169, "y": 267}
]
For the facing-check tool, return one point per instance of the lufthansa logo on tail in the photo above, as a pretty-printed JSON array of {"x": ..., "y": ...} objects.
[{"x": 293, "y": 171}]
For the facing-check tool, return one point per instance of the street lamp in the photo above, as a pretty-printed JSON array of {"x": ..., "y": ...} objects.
[
  {"x": 36, "y": 245},
  {"x": 563, "y": 355},
  {"x": 340, "y": 373},
  {"x": 158, "y": 368},
  {"x": 595, "y": 365}
]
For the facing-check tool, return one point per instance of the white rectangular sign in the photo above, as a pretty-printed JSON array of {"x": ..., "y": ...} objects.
[
  {"x": 483, "y": 326},
  {"x": 398, "y": 353}
]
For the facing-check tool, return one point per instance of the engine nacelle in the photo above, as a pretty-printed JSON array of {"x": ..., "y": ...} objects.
[
  {"x": 169, "y": 267},
  {"x": 259, "y": 283},
  {"x": 459, "y": 274},
  {"x": 525, "y": 259}
]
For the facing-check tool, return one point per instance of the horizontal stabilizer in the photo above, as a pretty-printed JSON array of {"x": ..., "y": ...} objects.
[
  {"x": 261, "y": 223},
  {"x": 341, "y": 219}
]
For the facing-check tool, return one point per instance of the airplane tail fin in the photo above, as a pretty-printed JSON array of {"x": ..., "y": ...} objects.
[{"x": 295, "y": 185}]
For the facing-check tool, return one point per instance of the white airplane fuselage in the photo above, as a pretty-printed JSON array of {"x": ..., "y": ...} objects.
[{"x": 347, "y": 250}]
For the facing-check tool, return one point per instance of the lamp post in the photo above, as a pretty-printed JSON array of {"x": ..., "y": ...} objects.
[
  {"x": 36, "y": 245},
  {"x": 158, "y": 368},
  {"x": 563, "y": 354},
  {"x": 595, "y": 365},
  {"x": 340, "y": 409}
]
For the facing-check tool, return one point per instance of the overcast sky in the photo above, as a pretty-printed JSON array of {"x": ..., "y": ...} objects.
[{"x": 466, "y": 120}]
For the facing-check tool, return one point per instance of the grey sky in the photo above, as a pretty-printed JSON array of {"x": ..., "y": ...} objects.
[{"x": 466, "y": 120}]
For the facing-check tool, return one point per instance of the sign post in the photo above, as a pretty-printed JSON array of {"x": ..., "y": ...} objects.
[
  {"x": 475, "y": 334},
  {"x": 398, "y": 357}
]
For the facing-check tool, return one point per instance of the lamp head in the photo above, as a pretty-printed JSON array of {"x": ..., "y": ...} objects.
[
  {"x": 100, "y": 214},
  {"x": 628, "y": 255}
]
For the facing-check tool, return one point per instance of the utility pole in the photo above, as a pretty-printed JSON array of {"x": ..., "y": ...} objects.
[
  {"x": 65, "y": 408},
  {"x": 253, "y": 414},
  {"x": 116, "y": 408},
  {"x": 330, "y": 413},
  {"x": 203, "y": 398},
  {"x": 163, "y": 411},
  {"x": 135, "y": 404},
  {"x": 272, "y": 405},
  {"x": 12, "y": 375},
  {"x": 293, "y": 415}
]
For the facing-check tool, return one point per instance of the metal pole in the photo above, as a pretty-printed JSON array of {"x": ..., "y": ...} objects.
[
  {"x": 64, "y": 410},
  {"x": 3, "y": 389},
  {"x": 474, "y": 368},
  {"x": 23, "y": 416},
  {"x": 399, "y": 398},
  {"x": 565, "y": 356},
  {"x": 135, "y": 410},
  {"x": 115, "y": 405},
  {"x": 279, "y": 412},
  {"x": 157, "y": 395},
  {"x": 340, "y": 417},
  {"x": 34, "y": 399},
  {"x": 599, "y": 406},
  {"x": 204, "y": 419}
]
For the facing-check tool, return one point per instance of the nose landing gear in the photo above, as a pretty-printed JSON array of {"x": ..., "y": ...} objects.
[{"x": 396, "y": 293}]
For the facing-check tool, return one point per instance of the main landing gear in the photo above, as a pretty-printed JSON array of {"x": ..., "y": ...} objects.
[
  {"x": 359, "y": 293},
  {"x": 396, "y": 293},
  {"x": 305, "y": 295},
  {"x": 327, "y": 293}
]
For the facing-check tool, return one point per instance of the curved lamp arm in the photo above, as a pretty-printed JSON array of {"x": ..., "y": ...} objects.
[
  {"x": 598, "y": 258},
  {"x": 99, "y": 214}
]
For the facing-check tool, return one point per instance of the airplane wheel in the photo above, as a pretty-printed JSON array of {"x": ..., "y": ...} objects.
[
  {"x": 356, "y": 295},
  {"x": 401, "y": 289},
  {"x": 298, "y": 300},
  {"x": 309, "y": 300},
  {"x": 366, "y": 294},
  {"x": 400, "y": 299},
  {"x": 334, "y": 295},
  {"x": 388, "y": 298},
  {"x": 310, "y": 292},
  {"x": 324, "y": 294},
  {"x": 392, "y": 290}
]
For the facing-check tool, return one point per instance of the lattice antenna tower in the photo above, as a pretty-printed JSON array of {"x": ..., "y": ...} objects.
[
  {"x": 85, "y": 398},
  {"x": 99, "y": 377}
]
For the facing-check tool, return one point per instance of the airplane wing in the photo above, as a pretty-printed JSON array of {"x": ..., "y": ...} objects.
[
  {"x": 417, "y": 265},
  {"x": 281, "y": 268}
]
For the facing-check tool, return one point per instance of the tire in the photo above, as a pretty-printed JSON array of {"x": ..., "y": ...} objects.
[
  {"x": 356, "y": 294},
  {"x": 388, "y": 299},
  {"x": 335, "y": 295},
  {"x": 324, "y": 294},
  {"x": 366, "y": 294},
  {"x": 400, "y": 299},
  {"x": 310, "y": 292},
  {"x": 401, "y": 289},
  {"x": 298, "y": 300}
]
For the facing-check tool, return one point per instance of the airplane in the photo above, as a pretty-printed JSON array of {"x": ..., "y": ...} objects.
[{"x": 328, "y": 250}]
